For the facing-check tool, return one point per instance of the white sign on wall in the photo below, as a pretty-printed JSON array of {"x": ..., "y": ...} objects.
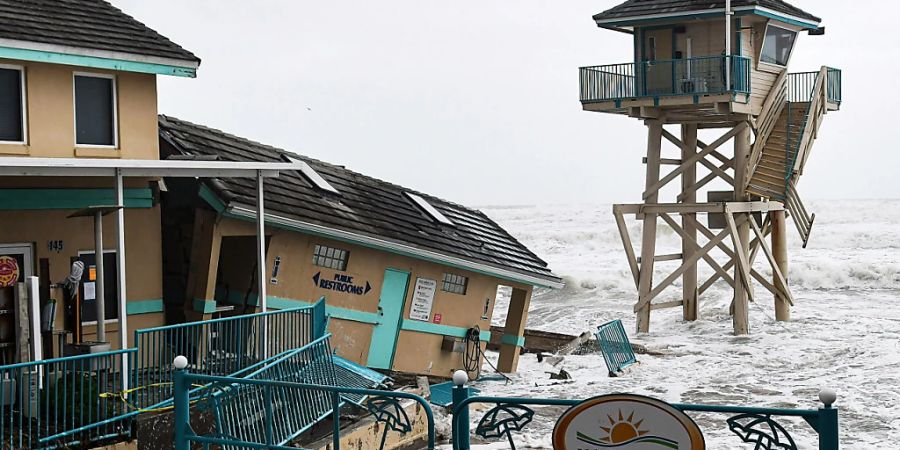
[{"x": 423, "y": 299}]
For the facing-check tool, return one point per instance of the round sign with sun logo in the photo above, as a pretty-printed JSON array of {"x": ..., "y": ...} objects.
[
  {"x": 626, "y": 421},
  {"x": 9, "y": 271}
]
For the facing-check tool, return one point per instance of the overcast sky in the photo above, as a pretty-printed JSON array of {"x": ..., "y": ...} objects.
[{"x": 477, "y": 101}]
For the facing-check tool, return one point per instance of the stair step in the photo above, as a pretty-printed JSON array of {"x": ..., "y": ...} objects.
[
  {"x": 768, "y": 184},
  {"x": 765, "y": 193},
  {"x": 770, "y": 168}
]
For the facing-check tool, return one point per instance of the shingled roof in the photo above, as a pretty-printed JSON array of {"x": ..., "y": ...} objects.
[
  {"x": 638, "y": 8},
  {"x": 89, "y": 24},
  {"x": 366, "y": 206}
]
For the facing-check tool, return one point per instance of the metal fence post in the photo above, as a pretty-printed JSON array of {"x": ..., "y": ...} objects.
[
  {"x": 460, "y": 394},
  {"x": 828, "y": 421},
  {"x": 182, "y": 404}
]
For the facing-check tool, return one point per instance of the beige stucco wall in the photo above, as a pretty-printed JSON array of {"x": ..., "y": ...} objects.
[
  {"x": 143, "y": 254},
  {"x": 49, "y": 93},
  {"x": 417, "y": 352}
]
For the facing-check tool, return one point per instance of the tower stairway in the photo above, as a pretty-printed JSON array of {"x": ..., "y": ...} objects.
[{"x": 785, "y": 132}]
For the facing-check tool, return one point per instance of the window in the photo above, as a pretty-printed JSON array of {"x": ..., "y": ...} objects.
[
  {"x": 88, "y": 287},
  {"x": 777, "y": 46},
  {"x": 455, "y": 284},
  {"x": 12, "y": 104},
  {"x": 651, "y": 50},
  {"x": 331, "y": 258},
  {"x": 431, "y": 210},
  {"x": 310, "y": 174},
  {"x": 95, "y": 110}
]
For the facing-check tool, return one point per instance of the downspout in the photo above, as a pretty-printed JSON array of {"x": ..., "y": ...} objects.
[{"x": 728, "y": 14}]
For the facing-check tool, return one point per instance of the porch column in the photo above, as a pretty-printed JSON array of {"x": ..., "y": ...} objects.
[
  {"x": 261, "y": 258},
  {"x": 515, "y": 326},
  {"x": 201, "y": 283},
  {"x": 99, "y": 279},
  {"x": 648, "y": 238},
  {"x": 120, "y": 272}
]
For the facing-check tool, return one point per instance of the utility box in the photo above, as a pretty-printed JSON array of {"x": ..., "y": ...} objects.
[{"x": 87, "y": 348}]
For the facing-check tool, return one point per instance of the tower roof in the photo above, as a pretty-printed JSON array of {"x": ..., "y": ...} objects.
[{"x": 636, "y": 11}]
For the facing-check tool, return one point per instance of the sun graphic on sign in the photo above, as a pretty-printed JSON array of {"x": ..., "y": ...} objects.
[{"x": 624, "y": 429}]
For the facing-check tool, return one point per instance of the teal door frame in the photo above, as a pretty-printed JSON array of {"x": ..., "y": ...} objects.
[{"x": 391, "y": 301}]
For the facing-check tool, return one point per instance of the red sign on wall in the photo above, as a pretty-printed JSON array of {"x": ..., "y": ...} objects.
[{"x": 437, "y": 318}]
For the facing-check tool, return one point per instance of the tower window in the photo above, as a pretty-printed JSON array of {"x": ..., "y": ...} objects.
[
  {"x": 777, "y": 46},
  {"x": 95, "y": 110},
  {"x": 12, "y": 104}
]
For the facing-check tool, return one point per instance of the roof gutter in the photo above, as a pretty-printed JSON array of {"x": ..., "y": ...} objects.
[
  {"x": 98, "y": 59},
  {"x": 617, "y": 22},
  {"x": 247, "y": 213}
]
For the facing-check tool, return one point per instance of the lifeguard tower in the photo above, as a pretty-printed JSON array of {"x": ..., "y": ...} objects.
[{"x": 706, "y": 64}]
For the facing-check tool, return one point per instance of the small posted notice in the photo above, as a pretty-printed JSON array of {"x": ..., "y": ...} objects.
[{"x": 423, "y": 298}]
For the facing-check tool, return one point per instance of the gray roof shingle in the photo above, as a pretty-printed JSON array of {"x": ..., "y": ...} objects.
[
  {"x": 91, "y": 24},
  {"x": 366, "y": 205},
  {"x": 636, "y": 8}
]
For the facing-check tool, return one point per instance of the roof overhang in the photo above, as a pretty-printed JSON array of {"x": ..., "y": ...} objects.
[
  {"x": 98, "y": 59},
  {"x": 83, "y": 167},
  {"x": 248, "y": 213},
  {"x": 627, "y": 24}
]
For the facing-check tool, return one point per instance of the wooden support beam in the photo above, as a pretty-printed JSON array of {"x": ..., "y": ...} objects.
[
  {"x": 780, "y": 281},
  {"x": 648, "y": 240},
  {"x": 661, "y": 258},
  {"x": 689, "y": 292},
  {"x": 665, "y": 305},
  {"x": 718, "y": 171},
  {"x": 691, "y": 243},
  {"x": 629, "y": 247},
  {"x": 653, "y": 189},
  {"x": 665, "y": 161},
  {"x": 779, "y": 248},
  {"x": 646, "y": 299}
]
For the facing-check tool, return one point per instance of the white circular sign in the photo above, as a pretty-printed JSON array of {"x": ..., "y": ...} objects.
[{"x": 626, "y": 421}]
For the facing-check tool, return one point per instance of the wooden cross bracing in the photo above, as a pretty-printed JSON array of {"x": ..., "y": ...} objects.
[{"x": 739, "y": 239}]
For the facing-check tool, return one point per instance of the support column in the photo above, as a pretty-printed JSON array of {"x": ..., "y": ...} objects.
[
  {"x": 261, "y": 258},
  {"x": 648, "y": 241},
  {"x": 779, "y": 251},
  {"x": 121, "y": 274},
  {"x": 741, "y": 316},
  {"x": 515, "y": 325},
  {"x": 688, "y": 178},
  {"x": 99, "y": 280},
  {"x": 204, "y": 265}
]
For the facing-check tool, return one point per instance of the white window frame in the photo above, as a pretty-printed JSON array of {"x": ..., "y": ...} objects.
[
  {"x": 21, "y": 70},
  {"x": 86, "y": 271},
  {"x": 772, "y": 67},
  {"x": 115, "y": 115}
]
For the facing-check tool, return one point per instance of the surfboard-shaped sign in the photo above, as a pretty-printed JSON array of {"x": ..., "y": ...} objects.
[{"x": 626, "y": 421}]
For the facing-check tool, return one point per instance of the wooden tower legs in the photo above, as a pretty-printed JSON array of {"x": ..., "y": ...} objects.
[
  {"x": 742, "y": 286},
  {"x": 689, "y": 195},
  {"x": 648, "y": 241},
  {"x": 779, "y": 250}
]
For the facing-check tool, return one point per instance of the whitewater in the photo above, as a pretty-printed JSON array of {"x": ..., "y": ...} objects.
[{"x": 845, "y": 332}]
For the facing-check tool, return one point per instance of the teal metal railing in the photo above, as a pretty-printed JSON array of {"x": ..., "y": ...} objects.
[
  {"x": 218, "y": 347},
  {"x": 615, "y": 346},
  {"x": 800, "y": 86},
  {"x": 62, "y": 402},
  {"x": 751, "y": 424},
  {"x": 693, "y": 76},
  {"x": 264, "y": 404}
]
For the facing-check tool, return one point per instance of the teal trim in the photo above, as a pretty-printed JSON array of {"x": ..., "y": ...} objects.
[
  {"x": 143, "y": 307},
  {"x": 511, "y": 339},
  {"x": 210, "y": 197},
  {"x": 34, "y": 199},
  {"x": 706, "y": 15},
  {"x": 204, "y": 306},
  {"x": 272, "y": 302},
  {"x": 96, "y": 62},
  {"x": 441, "y": 330}
]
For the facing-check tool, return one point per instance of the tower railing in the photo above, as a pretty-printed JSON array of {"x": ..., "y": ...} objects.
[{"x": 691, "y": 76}]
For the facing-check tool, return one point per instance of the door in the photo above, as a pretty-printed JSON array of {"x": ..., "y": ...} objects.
[
  {"x": 16, "y": 263},
  {"x": 390, "y": 310},
  {"x": 658, "y": 61}
]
